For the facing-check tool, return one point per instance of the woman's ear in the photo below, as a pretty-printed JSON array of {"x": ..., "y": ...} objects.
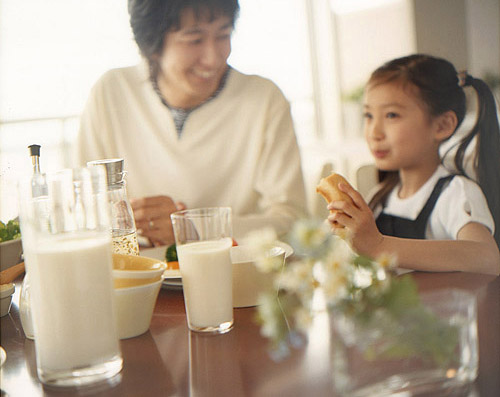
[{"x": 446, "y": 125}]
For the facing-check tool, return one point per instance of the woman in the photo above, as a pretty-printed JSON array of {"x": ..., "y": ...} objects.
[{"x": 193, "y": 131}]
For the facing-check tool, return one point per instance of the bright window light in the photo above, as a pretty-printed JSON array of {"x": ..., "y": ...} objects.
[{"x": 52, "y": 52}]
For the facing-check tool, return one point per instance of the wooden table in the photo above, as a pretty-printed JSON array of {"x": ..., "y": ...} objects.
[{"x": 171, "y": 361}]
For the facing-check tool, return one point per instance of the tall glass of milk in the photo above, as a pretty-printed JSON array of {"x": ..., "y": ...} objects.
[
  {"x": 203, "y": 238},
  {"x": 65, "y": 227}
]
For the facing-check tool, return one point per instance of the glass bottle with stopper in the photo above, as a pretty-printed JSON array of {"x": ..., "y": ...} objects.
[
  {"x": 24, "y": 298},
  {"x": 35, "y": 157},
  {"x": 124, "y": 232}
]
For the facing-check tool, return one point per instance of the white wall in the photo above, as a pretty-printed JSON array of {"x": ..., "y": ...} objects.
[
  {"x": 466, "y": 32},
  {"x": 369, "y": 37},
  {"x": 440, "y": 29},
  {"x": 483, "y": 36}
]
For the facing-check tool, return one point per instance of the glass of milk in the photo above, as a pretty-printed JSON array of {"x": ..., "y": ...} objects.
[
  {"x": 66, "y": 237},
  {"x": 204, "y": 237}
]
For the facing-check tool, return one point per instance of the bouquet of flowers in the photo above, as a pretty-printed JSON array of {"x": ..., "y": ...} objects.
[{"x": 365, "y": 291}]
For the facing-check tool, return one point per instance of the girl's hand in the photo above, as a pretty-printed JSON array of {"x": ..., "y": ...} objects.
[
  {"x": 358, "y": 218},
  {"x": 152, "y": 218}
]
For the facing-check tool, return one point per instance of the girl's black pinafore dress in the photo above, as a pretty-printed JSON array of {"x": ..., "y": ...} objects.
[{"x": 396, "y": 226}]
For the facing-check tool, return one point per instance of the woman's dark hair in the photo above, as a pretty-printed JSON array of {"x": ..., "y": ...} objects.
[
  {"x": 440, "y": 90},
  {"x": 151, "y": 20}
]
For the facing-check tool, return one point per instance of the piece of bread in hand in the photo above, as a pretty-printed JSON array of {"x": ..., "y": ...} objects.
[{"x": 328, "y": 188}]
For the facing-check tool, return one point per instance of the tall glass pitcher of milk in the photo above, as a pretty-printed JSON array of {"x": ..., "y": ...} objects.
[{"x": 67, "y": 252}]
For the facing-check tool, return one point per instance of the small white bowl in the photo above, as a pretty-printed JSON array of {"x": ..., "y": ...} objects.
[
  {"x": 134, "y": 308},
  {"x": 248, "y": 281},
  {"x": 6, "y": 292},
  {"x": 132, "y": 271}
]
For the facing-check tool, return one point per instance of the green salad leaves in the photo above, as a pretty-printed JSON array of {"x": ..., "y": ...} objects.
[{"x": 9, "y": 231}]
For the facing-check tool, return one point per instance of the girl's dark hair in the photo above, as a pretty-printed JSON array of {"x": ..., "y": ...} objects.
[
  {"x": 440, "y": 89},
  {"x": 151, "y": 20}
]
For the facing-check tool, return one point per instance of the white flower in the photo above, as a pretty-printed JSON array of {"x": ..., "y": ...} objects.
[
  {"x": 324, "y": 263},
  {"x": 387, "y": 261},
  {"x": 310, "y": 238},
  {"x": 269, "y": 263},
  {"x": 340, "y": 251},
  {"x": 299, "y": 278},
  {"x": 261, "y": 240},
  {"x": 268, "y": 257},
  {"x": 303, "y": 319},
  {"x": 362, "y": 277},
  {"x": 335, "y": 283},
  {"x": 270, "y": 320}
]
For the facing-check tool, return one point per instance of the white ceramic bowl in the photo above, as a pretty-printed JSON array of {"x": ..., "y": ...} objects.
[
  {"x": 131, "y": 271},
  {"x": 134, "y": 308},
  {"x": 6, "y": 291},
  {"x": 248, "y": 281}
]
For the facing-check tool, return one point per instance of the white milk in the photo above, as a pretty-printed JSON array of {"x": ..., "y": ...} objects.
[
  {"x": 207, "y": 282},
  {"x": 72, "y": 298}
]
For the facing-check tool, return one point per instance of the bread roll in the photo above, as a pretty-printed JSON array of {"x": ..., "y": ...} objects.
[{"x": 328, "y": 188}]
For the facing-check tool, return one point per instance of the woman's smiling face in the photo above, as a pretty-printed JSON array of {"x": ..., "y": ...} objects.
[
  {"x": 194, "y": 59},
  {"x": 398, "y": 128}
]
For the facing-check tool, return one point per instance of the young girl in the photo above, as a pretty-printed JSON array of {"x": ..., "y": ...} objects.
[{"x": 431, "y": 219}]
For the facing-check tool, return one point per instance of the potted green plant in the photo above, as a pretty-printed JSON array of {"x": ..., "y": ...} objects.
[
  {"x": 10, "y": 244},
  {"x": 352, "y": 112}
]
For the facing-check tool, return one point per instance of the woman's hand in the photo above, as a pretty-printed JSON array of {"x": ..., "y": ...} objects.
[
  {"x": 358, "y": 218},
  {"x": 152, "y": 218}
]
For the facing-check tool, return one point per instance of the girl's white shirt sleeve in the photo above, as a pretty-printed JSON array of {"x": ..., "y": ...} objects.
[{"x": 460, "y": 203}]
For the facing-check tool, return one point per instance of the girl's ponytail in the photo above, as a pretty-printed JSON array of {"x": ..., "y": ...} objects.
[{"x": 487, "y": 157}]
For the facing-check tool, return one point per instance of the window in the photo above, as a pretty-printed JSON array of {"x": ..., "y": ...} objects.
[
  {"x": 51, "y": 53},
  {"x": 272, "y": 39}
]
